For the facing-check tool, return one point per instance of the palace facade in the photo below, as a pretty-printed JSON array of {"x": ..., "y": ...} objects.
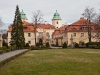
[
  {"x": 76, "y": 32},
  {"x": 43, "y": 32},
  {"x": 56, "y": 33}
]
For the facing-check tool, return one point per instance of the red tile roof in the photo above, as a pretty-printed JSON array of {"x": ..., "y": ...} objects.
[
  {"x": 76, "y": 27},
  {"x": 29, "y": 27},
  {"x": 81, "y": 23},
  {"x": 46, "y": 26},
  {"x": 60, "y": 30}
]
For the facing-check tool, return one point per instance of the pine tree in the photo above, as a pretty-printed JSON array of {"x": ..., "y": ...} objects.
[{"x": 17, "y": 34}]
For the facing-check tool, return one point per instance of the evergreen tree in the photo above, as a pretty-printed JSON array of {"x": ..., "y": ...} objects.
[{"x": 17, "y": 34}]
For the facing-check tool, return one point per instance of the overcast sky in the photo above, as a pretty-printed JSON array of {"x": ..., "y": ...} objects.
[{"x": 69, "y": 10}]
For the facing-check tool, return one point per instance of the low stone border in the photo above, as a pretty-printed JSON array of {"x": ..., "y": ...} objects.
[{"x": 3, "y": 62}]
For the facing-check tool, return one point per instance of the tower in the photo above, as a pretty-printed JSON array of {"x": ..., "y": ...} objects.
[
  {"x": 57, "y": 21},
  {"x": 23, "y": 16}
]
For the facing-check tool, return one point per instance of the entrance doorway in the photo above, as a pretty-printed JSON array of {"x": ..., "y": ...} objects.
[{"x": 40, "y": 41}]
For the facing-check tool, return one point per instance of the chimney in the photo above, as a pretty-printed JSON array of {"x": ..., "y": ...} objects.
[
  {"x": 45, "y": 22},
  {"x": 81, "y": 17}
]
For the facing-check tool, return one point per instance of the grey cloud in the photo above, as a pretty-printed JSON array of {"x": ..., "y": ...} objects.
[{"x": 69, "y": 10}]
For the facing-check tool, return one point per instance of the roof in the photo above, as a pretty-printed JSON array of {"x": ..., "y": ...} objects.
[
  {"x": 81, "y": 25},
  {"x": 29, "y": 27},
  {"x": 82, "y": 21},
  {"x": 60, "y": 30},
  {"x": 56, "y": 15},
  {"x": 46, "y": 26}
]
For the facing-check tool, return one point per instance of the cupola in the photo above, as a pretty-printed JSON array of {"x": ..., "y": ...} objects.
[
  {"x": 23, "y": 16},
  {"x": 56, "y": 15}
]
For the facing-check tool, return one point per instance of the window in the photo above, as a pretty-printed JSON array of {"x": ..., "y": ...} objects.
[
  {"x": 47, "y": 35},
  {"x": 40, "y": 35},
  {"x": 74, "y": 34},
  {"x": 29, "y": 42},
  {"x": 57, "y": 22},
  {"x": 29, "y": 34},
  {"x": 82, "y": 34}
]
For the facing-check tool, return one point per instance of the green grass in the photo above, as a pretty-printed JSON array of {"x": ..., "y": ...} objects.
[{"x": 55, "y": 62}]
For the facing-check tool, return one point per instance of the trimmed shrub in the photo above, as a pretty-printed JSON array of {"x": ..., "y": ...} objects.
[
  {"x": 5, "y": 44},
  {"x": 87, "y": 45},
  {"x": 1, "y": 50},
  {"x": 92, "y": 44},
  {"x": 4, "y": 48},
  {"x": 64, "y": 45},
  {"x": 27, "y": 45},
  {"x": 34, "y": 48},
  {"x": 47, "y": 45},
  {"x": 76, "y": 45},
  {"x": 37, "y": 44}
]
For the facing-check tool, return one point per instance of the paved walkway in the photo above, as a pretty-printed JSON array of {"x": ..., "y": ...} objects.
[{"x": 10, "y": 54}]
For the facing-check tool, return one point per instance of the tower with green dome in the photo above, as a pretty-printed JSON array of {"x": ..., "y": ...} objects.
[
  {"x": 23, "y": 16},
  {"x": 57, "y": 21}
]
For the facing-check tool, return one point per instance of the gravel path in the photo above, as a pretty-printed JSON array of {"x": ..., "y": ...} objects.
[{"x": 10, "y": 54}]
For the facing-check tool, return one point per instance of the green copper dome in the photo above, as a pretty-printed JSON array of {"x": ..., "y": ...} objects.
[
  {"x": 56, "y": 15},
  {"x": 23, "y": 15}
]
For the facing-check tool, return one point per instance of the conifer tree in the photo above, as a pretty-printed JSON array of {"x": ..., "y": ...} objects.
[{"x": 17, "y": 34}]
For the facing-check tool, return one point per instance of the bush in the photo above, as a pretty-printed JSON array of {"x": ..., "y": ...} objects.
[
  {"x": 47, "y": 45},
  {"x": 37, "y": 44},
  {"x": 92, "y": 44},
  {"x": 12, "y": 48},
  {"x": 5, "y": 44},
  {"x": 27, "y": 45},
  {"x": 1, "y": 50},
  {"x": 34, "y": 48},
  {"x": 64, "y": 45},
  {"x": 87, "y": 45},
  {"x": 4, "y": 48},
  {"x": 76, "y": 45}
]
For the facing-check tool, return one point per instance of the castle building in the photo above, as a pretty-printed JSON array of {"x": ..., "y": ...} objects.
[
  {"x": 76, "y": 32},
  {"x": 43, "y": 32},
  {"x": 56, "y": 33}
]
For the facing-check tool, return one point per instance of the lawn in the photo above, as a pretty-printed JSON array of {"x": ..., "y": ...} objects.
[{"x": 55, "y": 62}]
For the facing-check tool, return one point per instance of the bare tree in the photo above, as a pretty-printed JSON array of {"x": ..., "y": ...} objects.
[
  {"x": 97, "y": 27},
  {"x": 1, "y": 22},
  {"x": 37, "y": 18},
  {"x": 89, "y": 14}
]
